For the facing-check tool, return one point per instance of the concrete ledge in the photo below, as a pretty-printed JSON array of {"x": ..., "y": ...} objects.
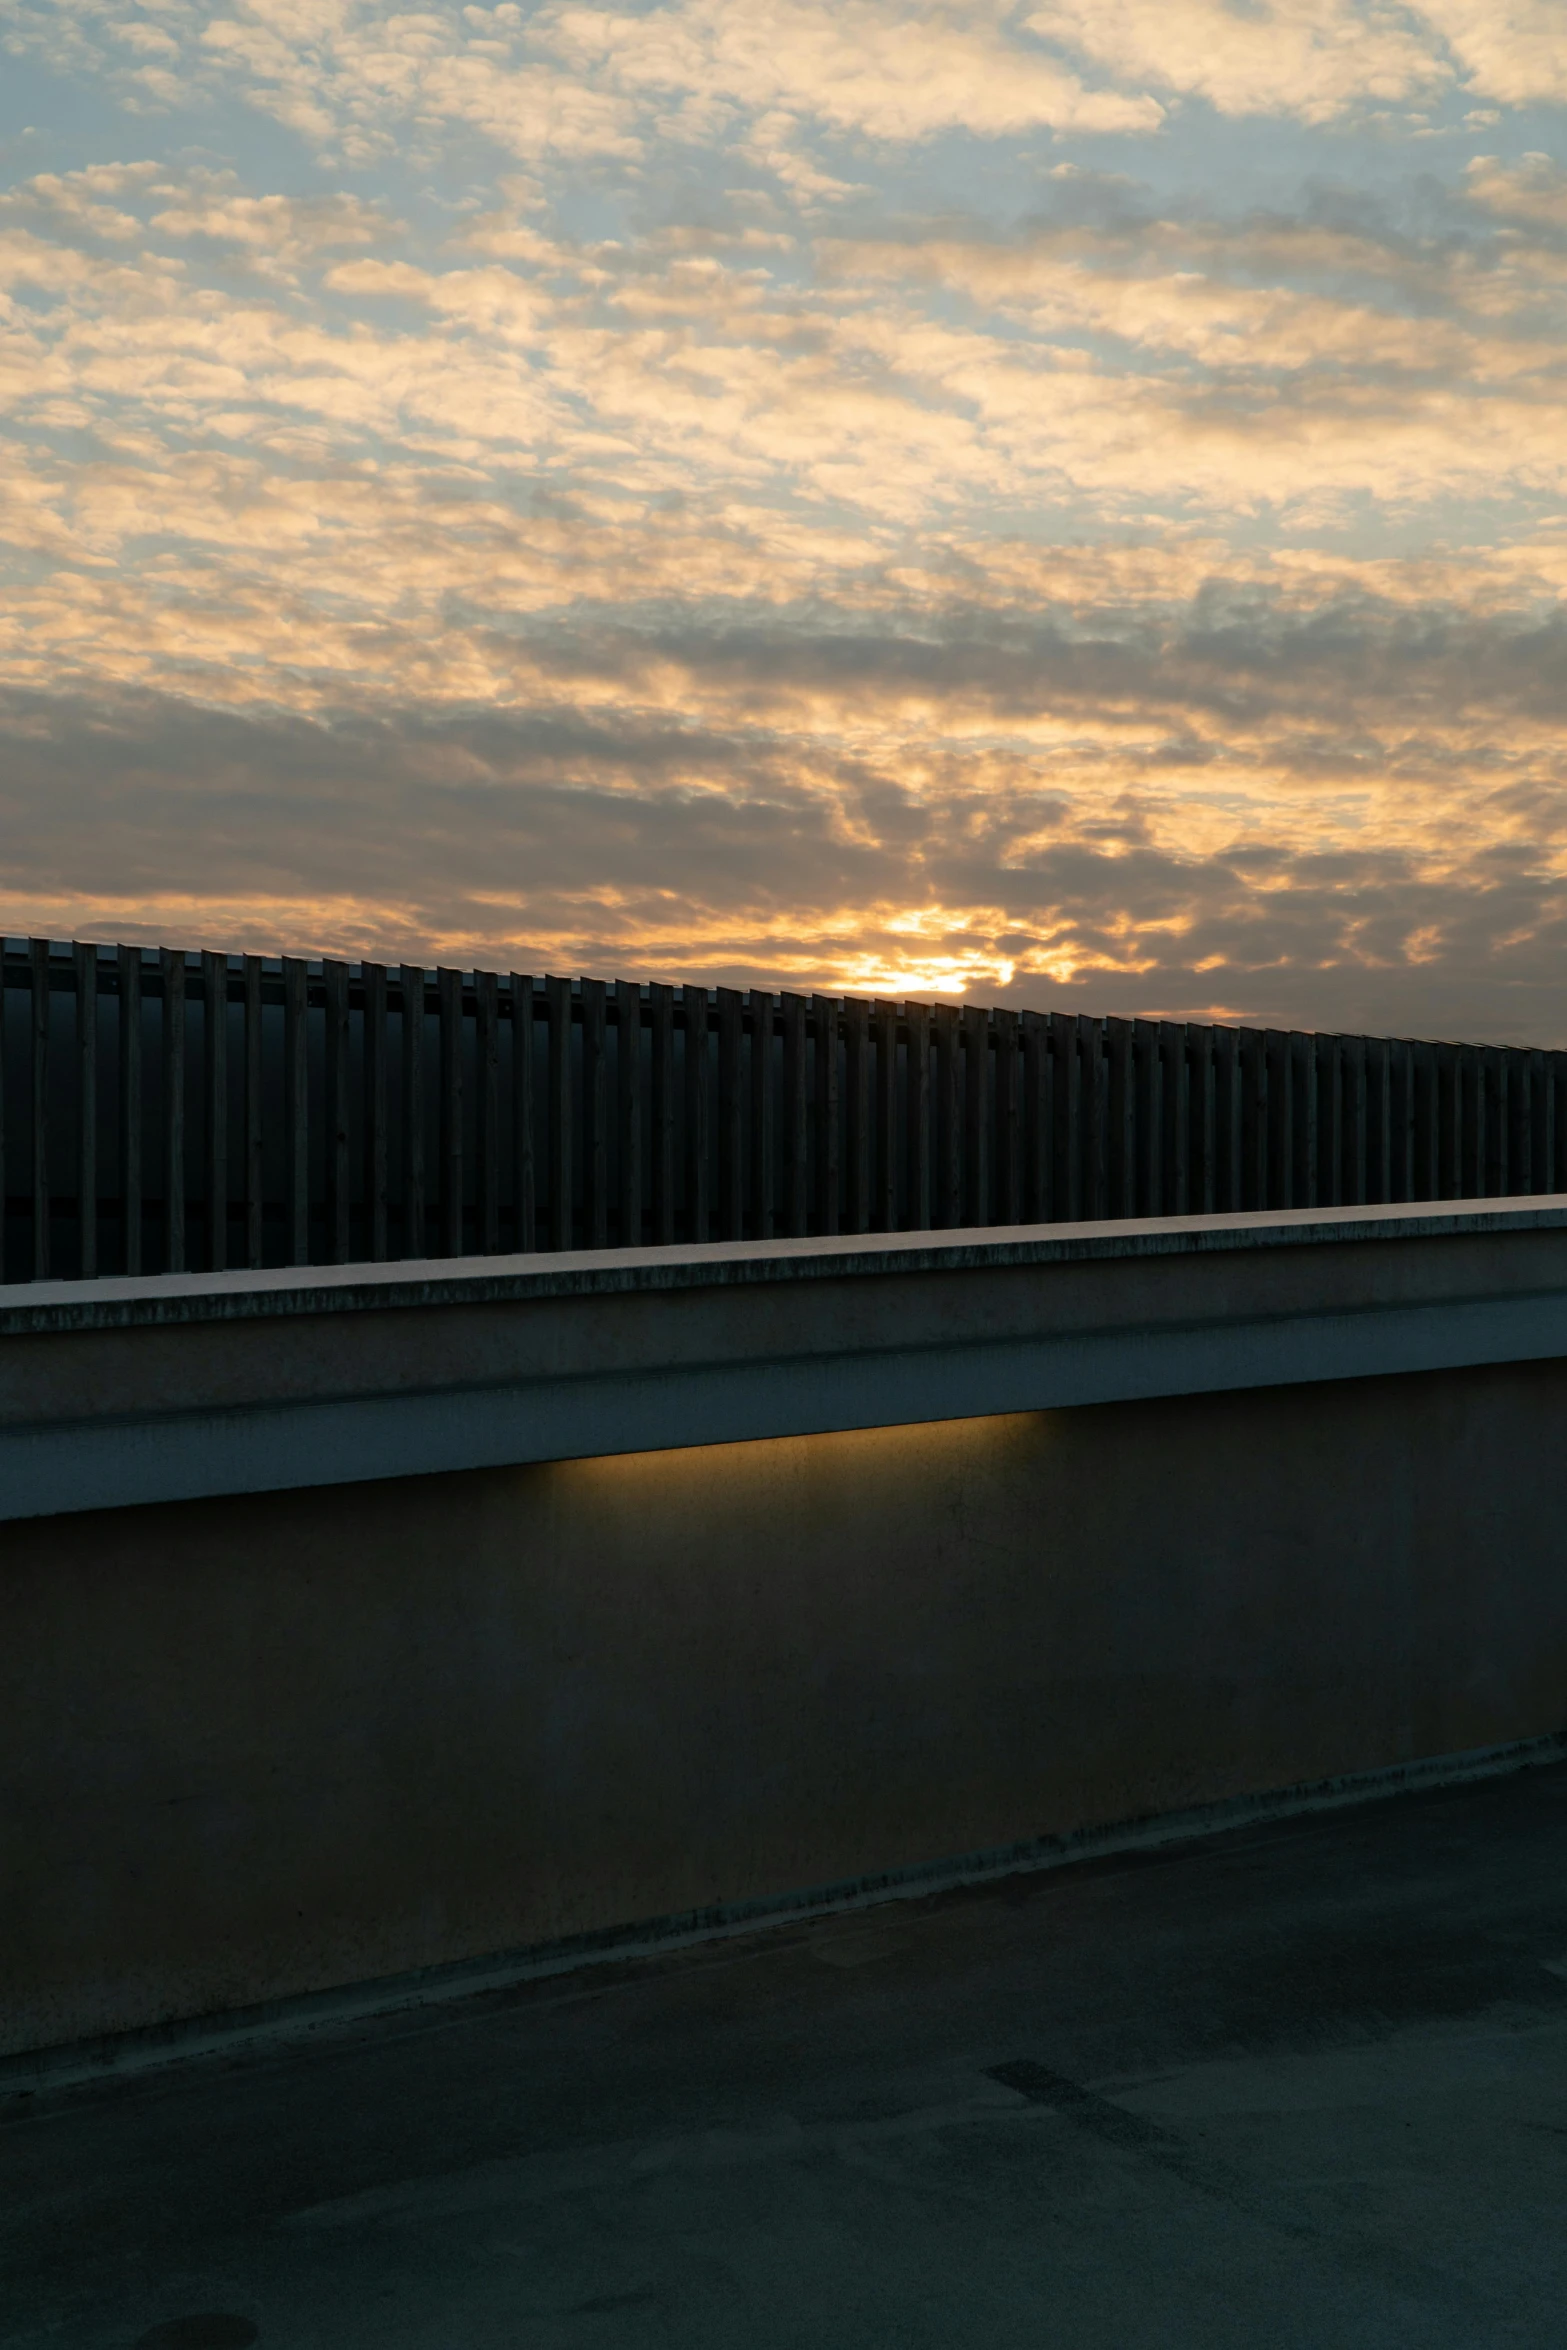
[{"x": 131, "y": 1392}]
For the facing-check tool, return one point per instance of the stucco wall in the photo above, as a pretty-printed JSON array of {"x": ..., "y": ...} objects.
[{"x": 263, "y": 1744}]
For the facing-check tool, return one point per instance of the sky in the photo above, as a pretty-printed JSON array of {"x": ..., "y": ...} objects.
[{"x": 1060, "y": 504}]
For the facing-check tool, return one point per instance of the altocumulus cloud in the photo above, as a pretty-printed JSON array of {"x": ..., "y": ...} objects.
[{"x": 907, "y": 499}]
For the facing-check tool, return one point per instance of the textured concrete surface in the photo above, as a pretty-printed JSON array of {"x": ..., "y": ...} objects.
[
  {"x": 270, "y": 1745},
  {"x": 1304, "y": 2087}
]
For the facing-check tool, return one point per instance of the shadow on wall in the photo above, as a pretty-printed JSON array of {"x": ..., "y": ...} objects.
[{"x": 265, "y": 1745}]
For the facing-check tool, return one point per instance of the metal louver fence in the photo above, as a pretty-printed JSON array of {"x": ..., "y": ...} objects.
[{"x": 163, "y": 1111}]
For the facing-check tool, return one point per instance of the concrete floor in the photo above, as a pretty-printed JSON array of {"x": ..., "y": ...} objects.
[{"x": 1303, "y": 2085}]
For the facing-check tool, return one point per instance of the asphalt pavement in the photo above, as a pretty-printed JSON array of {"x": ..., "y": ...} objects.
[{"x": 1301, "y": 2086}]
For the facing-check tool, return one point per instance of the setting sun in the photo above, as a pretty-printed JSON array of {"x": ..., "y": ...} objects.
[{"x": 1063, "y": 504}]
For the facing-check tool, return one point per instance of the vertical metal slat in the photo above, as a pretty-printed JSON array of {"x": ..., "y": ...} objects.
[
  {"x": 947, "y": 1119},
  {"x": 374, "y": 1073},
  {"x": 1066, "y": 1140},
  {"x": 215, "y": 1106},
  {"x": 661, "y": 1122},
  {"x": 1330, "y": 1121},
  {"x": 415, "y": 1229},
  {"x": 856, "y": 1113},
  {"x": 1556, "y": 1095},
  {"x": 1038, "y": 1156},
  {"x": 1426, "y": 1180},
  {"x": 334, "y": 983},
  {"x": 1226, "y": 1120},
  {"x": 448, "y": 985},
  {"x": 1008, "y": 1121},
  {"x": 796, "y": 1117},
  {"x": 1176, "y": 1141},
  {"x": 763, "y": 1176},
  {"x": 731, "y": 1114},
  {"x": 1499, "y": 1065},
  {"x": 296, "y": 1109},
  {"x": 1120, "y": 1120},
  {"x": 524, "y": 1201},
  {"x": 976, "y": 1115},
  {"x": 1201, "y": 1113},
  {"x": 1533, "y": 1173},
  {"x": 593, "y": 997},
  {"x": 1253, "y": 1059},
  {"x": 1378, "y": 1119},
  {"x": 86, "y": 958},
  {"x": 916, "y": 1118},
  {"x": 628, "y": 1114},
  {"x": 255, "y": 1163},
  {"x": 882, "y": 1154},
  {"x": 1471, "y": 1087},
  {"x": 1280, "y": 1140},
  {"x": 4, "y": 1195},
  {"x": 172, "y": 963},
  {"x": 694, "y": 1006},
  {"x": 1520, "y": 1121},
  {"x": 824, "y": 1024},
  {"x": 1149, "y": 1117},
  {"x": 1450, "y": 1121},
  {"x": 1478, "y": 1099},
  {"x": 1401, "y": 1120},
  {"x": 130, "y": 1135},
  {"x": 487, "y": 1112},
  {"x": 1356, "y": 1109},
  {"x": 1303, "y": 1111},
  {"x": 1093, "y": 1113},
  {"x": 38, "y": 953}
]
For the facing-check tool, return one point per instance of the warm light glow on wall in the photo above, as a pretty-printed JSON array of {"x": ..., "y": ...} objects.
[{"x": 850, "y": 1470}]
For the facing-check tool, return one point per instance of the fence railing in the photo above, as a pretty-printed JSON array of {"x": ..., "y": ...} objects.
[{"x": 161, "y": 1110}]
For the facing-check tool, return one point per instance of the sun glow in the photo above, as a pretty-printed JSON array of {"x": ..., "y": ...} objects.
[{"x": 733, "y": 541}]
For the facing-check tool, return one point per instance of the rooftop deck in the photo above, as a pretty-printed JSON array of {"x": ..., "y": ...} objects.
[{"x": 1301, "y": 2085}]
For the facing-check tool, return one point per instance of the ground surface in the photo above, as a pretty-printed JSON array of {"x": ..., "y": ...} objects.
[{"x": 1305, "y": 2085}]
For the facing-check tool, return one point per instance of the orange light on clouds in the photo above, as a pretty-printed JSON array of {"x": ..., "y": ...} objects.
[{"x": 873, "y": 497}]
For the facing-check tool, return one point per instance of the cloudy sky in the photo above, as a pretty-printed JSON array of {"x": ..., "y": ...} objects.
[{"x": 1061, "y": 503}]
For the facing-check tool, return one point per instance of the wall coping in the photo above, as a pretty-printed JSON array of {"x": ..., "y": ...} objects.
[{"x": 118, "y": 1302}]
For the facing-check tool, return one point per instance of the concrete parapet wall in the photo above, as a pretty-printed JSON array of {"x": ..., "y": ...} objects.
[
  {"x": 116, "y": 1392},
  {"x": 263, "y": 1742}
]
